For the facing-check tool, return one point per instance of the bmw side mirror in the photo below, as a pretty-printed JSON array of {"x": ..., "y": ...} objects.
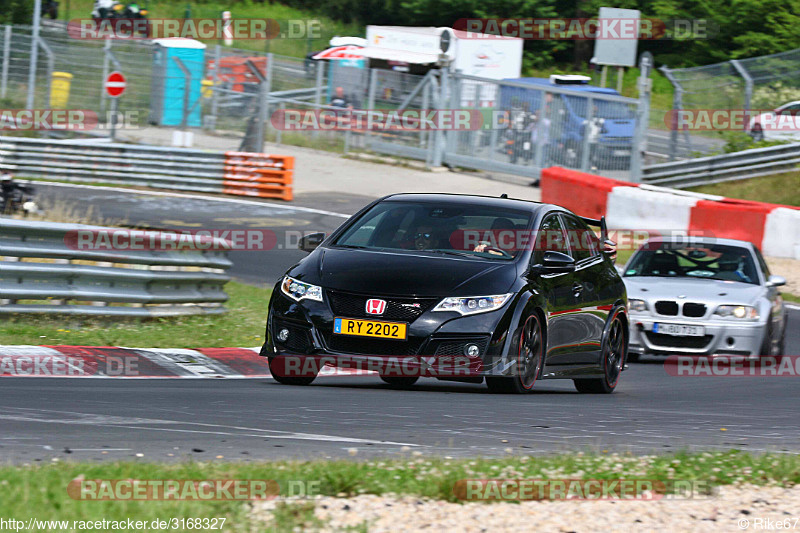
[
  {"x": 308, "y": 243},
  {"x": 554, "y": 263},
  {"x": 776, "y": 281}
]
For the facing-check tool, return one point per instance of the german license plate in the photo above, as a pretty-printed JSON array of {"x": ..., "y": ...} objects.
[
  {"x": 679, "y": 330},
  {"x": 370, "y": 328}
]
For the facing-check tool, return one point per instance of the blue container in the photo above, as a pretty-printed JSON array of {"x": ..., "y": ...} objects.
[{"x": 169, "y": 82}]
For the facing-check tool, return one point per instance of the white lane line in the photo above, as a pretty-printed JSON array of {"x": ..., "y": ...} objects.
[
  {"x": 139, "y": 424},
  {"x": 792, "y": 306},
  {"x": 198, "y": 197}
]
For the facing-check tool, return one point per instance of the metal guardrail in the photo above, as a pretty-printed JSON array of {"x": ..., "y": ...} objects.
[
  {"x": 727, "y": 167},
  {"x": 184, "y": 169},
  {"x": 45, "y": 270}
]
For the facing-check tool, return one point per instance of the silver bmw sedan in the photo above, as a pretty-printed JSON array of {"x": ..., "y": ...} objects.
[{"x": 703, "y": 296}]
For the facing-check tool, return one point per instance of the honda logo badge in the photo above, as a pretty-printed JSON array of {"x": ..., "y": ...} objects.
[{"x": 375, "y": 306}]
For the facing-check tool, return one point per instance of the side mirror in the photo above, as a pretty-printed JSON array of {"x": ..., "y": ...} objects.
[
  {"x": 554, "y": 263},
  {"x": 776, "y": 281},
  {"x": 308, "y": 243},
  {"x": 610, "y": 249}
]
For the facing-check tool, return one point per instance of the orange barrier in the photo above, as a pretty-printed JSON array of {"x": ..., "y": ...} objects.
[
  {"x": 260, "y": 175},
  {"x": 582, "y": 193}
]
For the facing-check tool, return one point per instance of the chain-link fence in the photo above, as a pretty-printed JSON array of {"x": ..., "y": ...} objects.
[
  {"x": 757, "y": 83},
  {"x": 516, "y": 127}
]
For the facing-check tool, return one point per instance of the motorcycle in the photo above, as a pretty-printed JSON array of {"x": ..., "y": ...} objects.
[
  {"x": 16, "y": 198},
  {"x": 50, "y": 9},
  {"x": 108, "y": 9},
  {"x": 117, "y": 11},
  {"x": 134, "y": 12},
  {"x": 518, "y": 143}
]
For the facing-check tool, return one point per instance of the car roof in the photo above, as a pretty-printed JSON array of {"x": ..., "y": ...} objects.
[
  {"x": 451, "y": 198},
  {"x": 569, "y": 86},
  {"x": 702, "y": 240}
]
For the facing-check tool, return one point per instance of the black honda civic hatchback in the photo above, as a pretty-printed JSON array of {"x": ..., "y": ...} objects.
[{"x": 456, "y": 287}]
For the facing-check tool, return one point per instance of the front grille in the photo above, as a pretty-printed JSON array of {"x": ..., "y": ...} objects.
[
  {"x": 367, "y": 346},
  {"x": 672, "y": 341},
  {"x": 667, "y": 308},
  {"x": 456, "y": 346},
  {"x": 694, "y": 310},
  {"x": 299, "y": 337},
  {"x": 402, "y": 309}
]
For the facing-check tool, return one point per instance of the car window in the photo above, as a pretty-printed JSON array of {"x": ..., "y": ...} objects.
[
  {"x": 793, "y": 109},
  {"x": 582, "y": 240},
  {"x": 468, "y": 229},
  {"x": 550, "y": 237}
]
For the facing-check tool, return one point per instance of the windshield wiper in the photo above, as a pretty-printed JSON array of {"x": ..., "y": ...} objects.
[
  {"x": 459, "y": 254},
  {"x": 351, "y": 246}
]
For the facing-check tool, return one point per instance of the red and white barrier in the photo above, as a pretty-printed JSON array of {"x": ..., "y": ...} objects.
[
  {"x": 139, "y": 363},
  {"x": 773, "y": 228}
]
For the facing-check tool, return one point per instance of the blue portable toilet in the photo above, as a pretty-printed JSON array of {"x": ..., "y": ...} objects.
[{"x": 168, "y": 82}]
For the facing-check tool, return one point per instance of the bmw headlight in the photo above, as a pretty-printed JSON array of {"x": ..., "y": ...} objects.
[
  {"x": 742, "y": 312},
  {"x": 297, "y": 290},
  {"x": 637, "y": 305},
  {"x": 470, "y": 305}
]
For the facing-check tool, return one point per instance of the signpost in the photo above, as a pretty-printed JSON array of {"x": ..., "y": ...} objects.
[
  {"x": 615, "y": 46},
  {"x": 114, "y": 85}
]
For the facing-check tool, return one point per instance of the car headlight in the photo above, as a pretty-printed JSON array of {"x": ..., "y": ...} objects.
[
  {"x": 297, "y": 290},
  {"x": 470, "y": 305},
  {"x": 637, "y": 305},
  {"x": 743, "y": 312}
]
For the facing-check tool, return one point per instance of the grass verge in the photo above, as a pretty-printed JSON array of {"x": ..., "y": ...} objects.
[
  {"x": 40, "y": 490},
  {"x": 243, "y": 325},
  {"x": 778, "y": 189}
]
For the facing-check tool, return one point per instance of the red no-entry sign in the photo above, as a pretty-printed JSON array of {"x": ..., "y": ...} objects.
[{"x": 115, "y": 84}]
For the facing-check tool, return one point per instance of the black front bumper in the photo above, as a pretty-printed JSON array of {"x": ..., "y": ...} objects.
[{"x": 435, "y": 345}]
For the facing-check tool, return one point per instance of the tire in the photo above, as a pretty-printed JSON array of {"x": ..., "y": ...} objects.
[
  {"x": 288, "y": 380},
  {"x": 633, "y": 357},
  {"x": 613, "y": 353},
  {"x": 405, "y": 381},
  {"x": 530, "y": 346},
  {"x": 766, "y": 346}
]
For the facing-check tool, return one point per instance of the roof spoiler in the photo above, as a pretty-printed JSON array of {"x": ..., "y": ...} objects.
[{"x": 609, "y": 246}]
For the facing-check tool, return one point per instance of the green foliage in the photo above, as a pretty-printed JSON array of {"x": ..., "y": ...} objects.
[
  {"x": 773, "y": 95},
  {"x": 771, "y": 25},
  {"x": 736, "y": 141},
  {"x": 16, "y": 11}
]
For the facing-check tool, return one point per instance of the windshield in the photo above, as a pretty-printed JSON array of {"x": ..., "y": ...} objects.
[
  {"x": 468, "y": 230},
  {"x": 602, "y": 109},
  {"x": 708, "y": 261}
]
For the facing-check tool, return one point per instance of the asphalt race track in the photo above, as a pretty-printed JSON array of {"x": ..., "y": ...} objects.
[{"x": 651, "y": 412}]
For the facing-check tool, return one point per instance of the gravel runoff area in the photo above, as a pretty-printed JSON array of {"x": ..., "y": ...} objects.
[
  {"x": 789, "y": 269},
  {"x": 733, "y": 508}
]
